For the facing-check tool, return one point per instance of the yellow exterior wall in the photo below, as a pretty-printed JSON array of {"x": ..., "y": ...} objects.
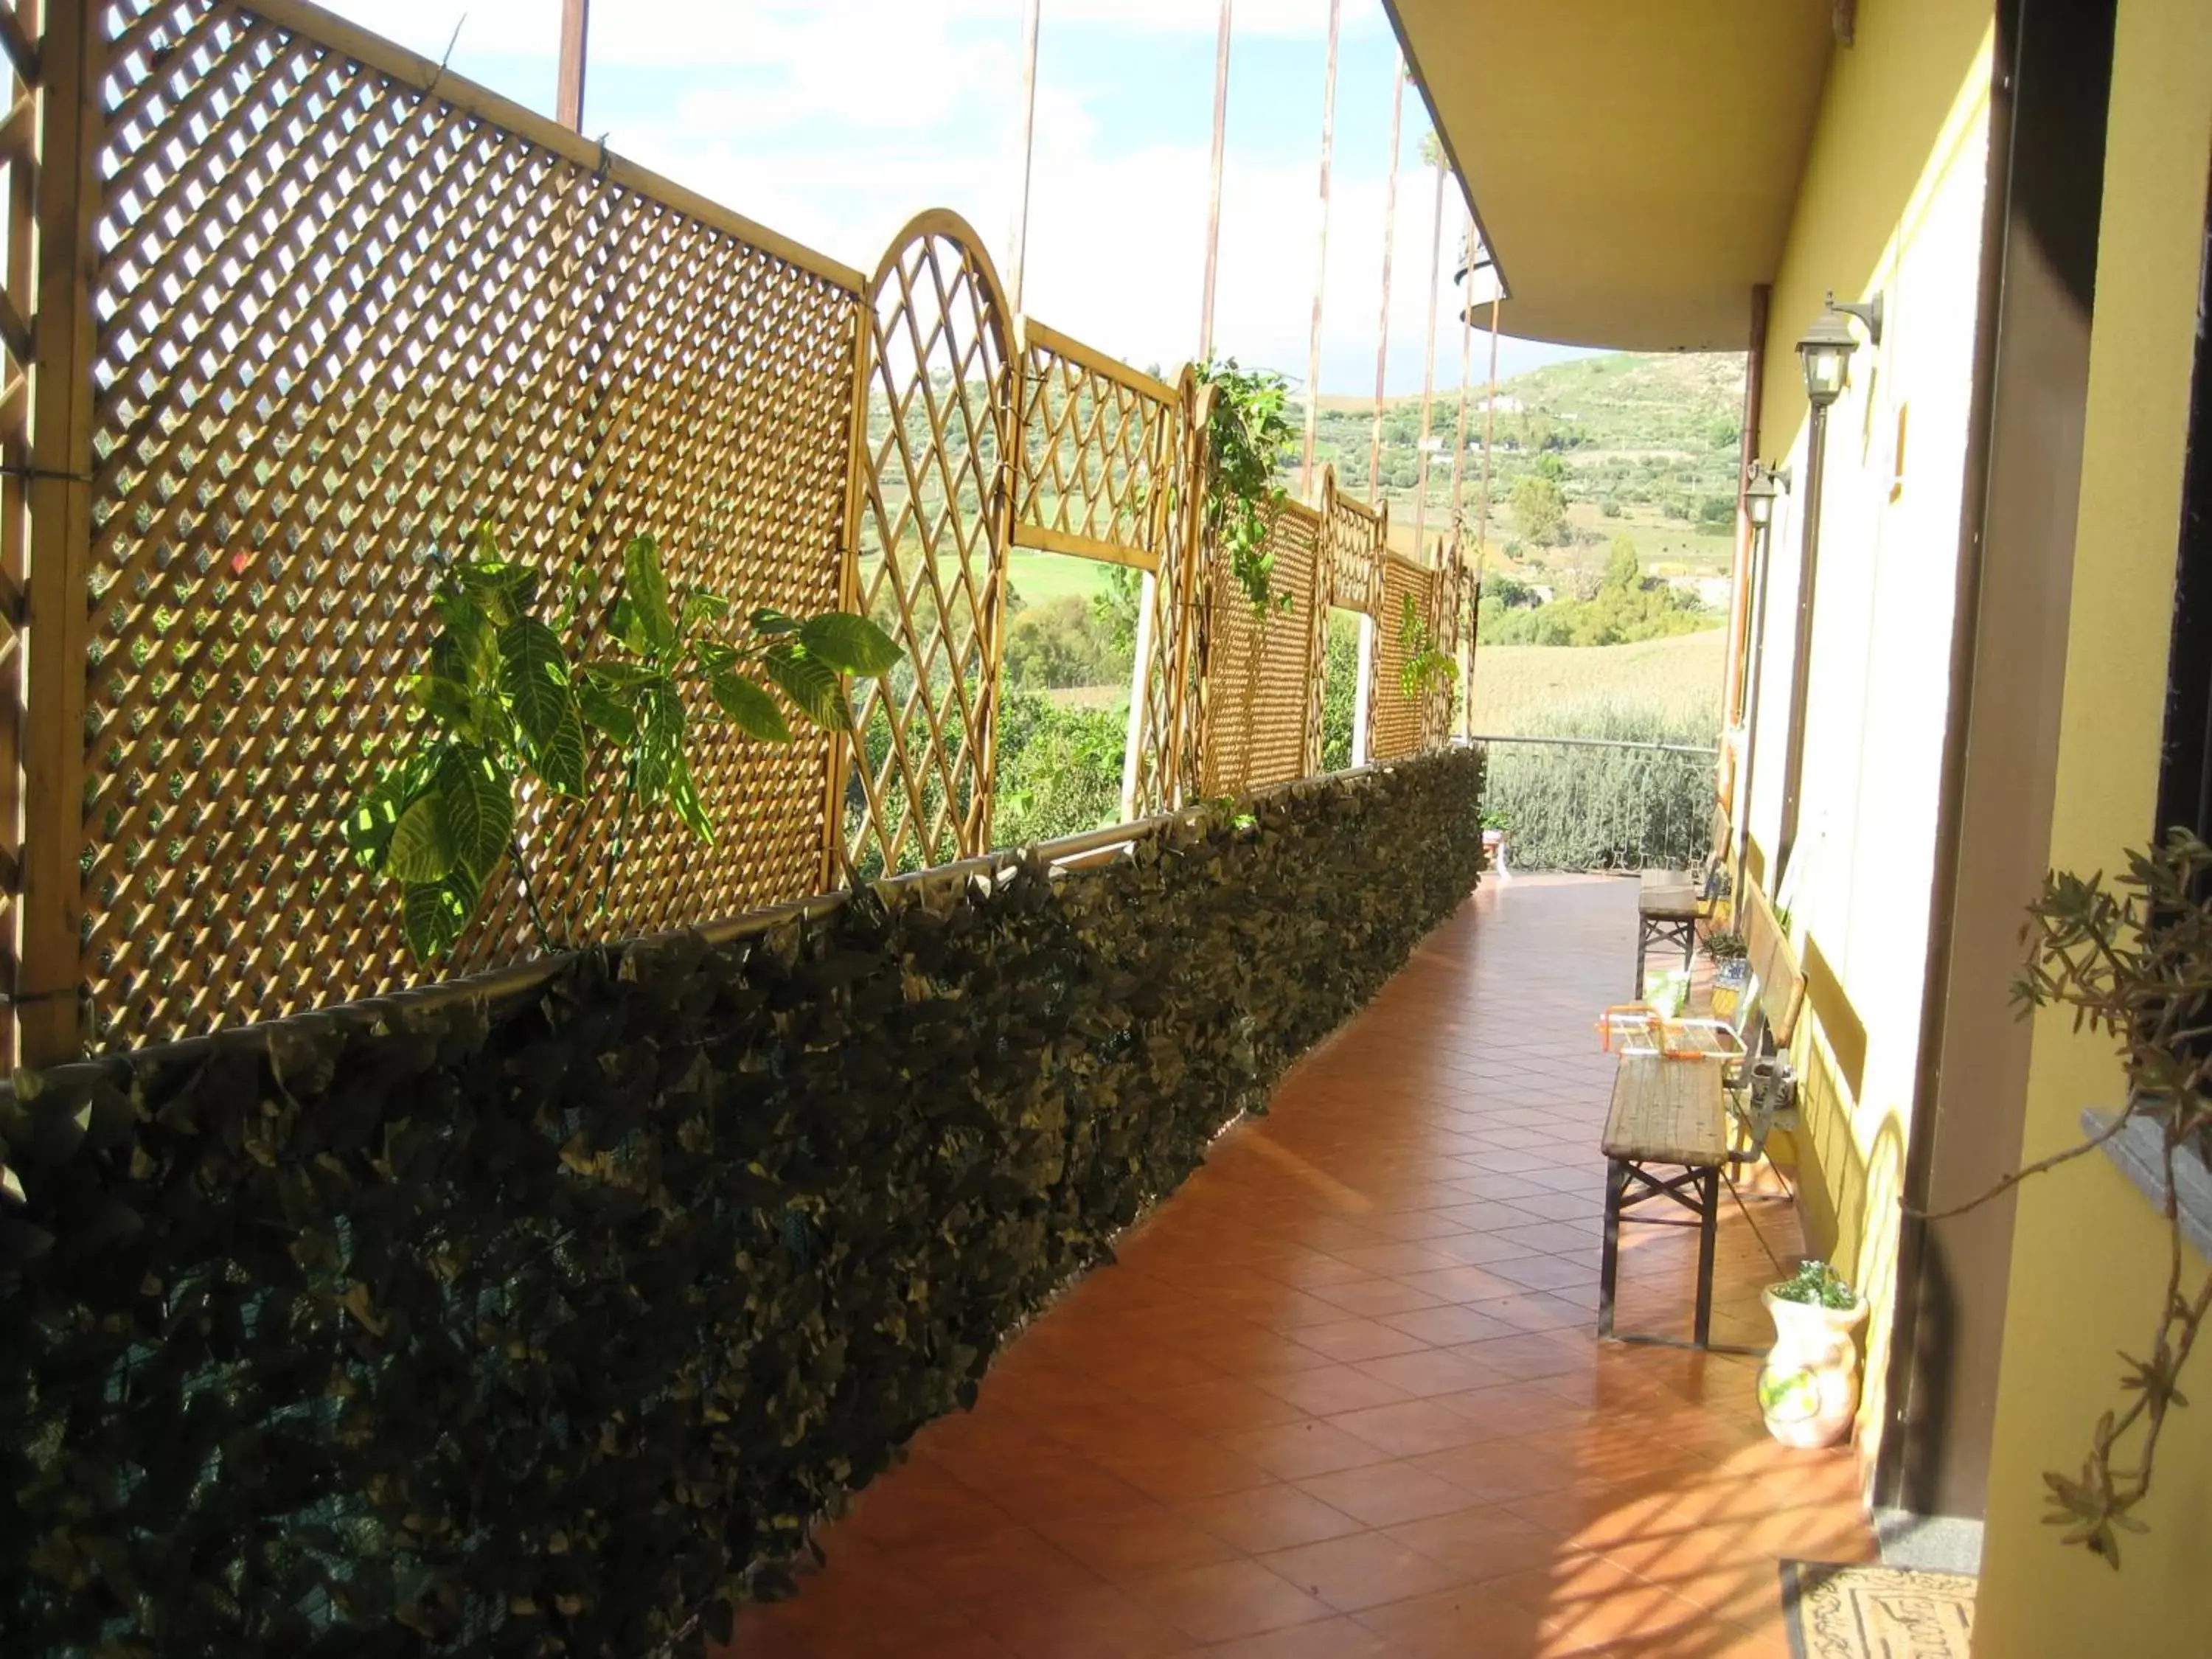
[
  {"x": 2088, "y": 1254},
  {"x": 1892, "y": 202}
]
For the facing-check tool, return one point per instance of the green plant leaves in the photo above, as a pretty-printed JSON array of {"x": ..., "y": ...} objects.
[
  {"x": 534, "y": 678},
  {"x": 434, "y": 915},
  {"x": 812, "y": 684},
  {"x": 421, "y": 846},
  {"x": 500, "y": 702},
  {"x": 477, "y": 803},
  {"x": 560, "y": 757},
  {"x": 850, "y": 644},
  {"x": 750, "y": 708},
  {"x": 646, "y": 588},
  {"x": 439, "y": 1316}
]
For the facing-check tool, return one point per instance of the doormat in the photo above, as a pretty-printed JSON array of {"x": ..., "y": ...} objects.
[{"x": 1840, "y": 1612}]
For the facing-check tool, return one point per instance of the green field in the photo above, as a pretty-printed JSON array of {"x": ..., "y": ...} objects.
[
  {"x": 1039, "y": 578},
  {"x": 1681, "y": 675}
]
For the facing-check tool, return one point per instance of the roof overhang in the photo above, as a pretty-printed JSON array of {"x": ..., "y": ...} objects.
[{"x": 1631, "y": 166}]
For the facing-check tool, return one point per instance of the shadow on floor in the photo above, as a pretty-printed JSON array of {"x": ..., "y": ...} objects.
[{"x": 1340, "y": 1400}]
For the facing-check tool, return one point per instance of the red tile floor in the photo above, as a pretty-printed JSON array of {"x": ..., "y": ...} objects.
[{"x": 1340, "y": 1398}]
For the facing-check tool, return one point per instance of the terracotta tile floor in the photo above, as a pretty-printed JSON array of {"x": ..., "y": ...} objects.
[{"x": 1340, "y": 1398}]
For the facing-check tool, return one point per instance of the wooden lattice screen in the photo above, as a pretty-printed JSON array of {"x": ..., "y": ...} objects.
[
  {"x": 1259, "y": 669},
  {"x": 285, "y": 311},
  {"x": 1395, "y": 720},
  {"x": 931, "y": 554},
  {"x": 339, "y": 320},
  {"x": 1165, "y": 729}
]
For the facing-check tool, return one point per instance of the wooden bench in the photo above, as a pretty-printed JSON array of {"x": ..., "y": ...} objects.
[
  {"x": 1676, "y": 1125},
  {"x": 1669, "y": 903}
]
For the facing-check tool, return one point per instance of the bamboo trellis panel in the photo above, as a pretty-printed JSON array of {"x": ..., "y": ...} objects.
[
  {"x": 931, "y": 556},
  {"x": 1395, "y": 720},
  {"x": 1099, "y": 442},
  {"x": 1357, "y": 536},
  {"x": 285, "y": 312},
  {"x": 1161, "y": 762},
  {"x": 1259, "y": 670},
  {"x": 1451, "y": 584},
  {"x": 341, "y": 319}
]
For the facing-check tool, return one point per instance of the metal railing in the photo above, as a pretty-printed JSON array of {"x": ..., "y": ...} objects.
[{"x": 1571, "y": 803}]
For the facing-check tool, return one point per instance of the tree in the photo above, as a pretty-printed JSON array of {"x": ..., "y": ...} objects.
[
  {"x": 1540, "y": 508},
  {"x": 1623, "y": 571}
]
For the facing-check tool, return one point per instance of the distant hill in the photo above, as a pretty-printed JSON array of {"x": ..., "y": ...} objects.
[{"x": 1645, "y": 446}]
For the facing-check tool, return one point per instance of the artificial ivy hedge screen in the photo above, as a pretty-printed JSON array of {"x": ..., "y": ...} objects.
[{"x": 542, "y": 1322}]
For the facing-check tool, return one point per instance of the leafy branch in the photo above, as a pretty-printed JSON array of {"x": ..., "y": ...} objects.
[
  {"x": 2133, "y": 961},
  {"x": 506, "y": 704},
  {"x": 1246, "y": 437},
  {"x": 1427, "y": 667}
]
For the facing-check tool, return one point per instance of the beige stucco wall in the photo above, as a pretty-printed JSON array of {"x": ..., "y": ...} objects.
[
  {"x": 1892, "y": 204},
  {"x": 2089, "y": 1255}
]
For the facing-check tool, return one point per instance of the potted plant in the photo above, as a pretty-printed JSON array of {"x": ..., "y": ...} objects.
[
  {"x": 1731, "y": 960},
  {"x": 1495, "y": 824},
  {"x": 1809, "y": 1389}
]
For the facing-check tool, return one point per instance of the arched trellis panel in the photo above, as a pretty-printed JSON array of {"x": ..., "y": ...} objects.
[{"x": 928, "y": 562}]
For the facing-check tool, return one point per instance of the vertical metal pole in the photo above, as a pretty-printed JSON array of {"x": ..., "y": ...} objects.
[
  {"x": 1456, "y": 586},
  {"x": 568, "y": 98},
  {"x": 1801, "y": 657},
  {"x": 1429, "y": 367},
  {"x": 1754, "y": 395},
  {"x": 1019, "y": 265},
  {"x": 1389, "y": 242},
  {"x": 1482, "y": 518},
  {"x": 1321, "y": 265},
  {"x": 1214, "y": 189},
  {"x": 1465, "y": 374}
]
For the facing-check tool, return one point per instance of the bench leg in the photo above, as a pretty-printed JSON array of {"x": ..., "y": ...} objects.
[
  {"x": 1609, "y": 1272},
  {"x": 1709, "y": 1189}
]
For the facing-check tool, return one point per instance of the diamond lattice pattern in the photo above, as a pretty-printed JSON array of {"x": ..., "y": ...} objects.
[
  {"x": 932, "y": 556},
  {"x": 340, "y": 321}
]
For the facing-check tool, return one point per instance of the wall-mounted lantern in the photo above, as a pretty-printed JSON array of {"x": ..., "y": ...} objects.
[
  {"x": 1766, "y": 483},
  {"x": 1825, "y": 351}
]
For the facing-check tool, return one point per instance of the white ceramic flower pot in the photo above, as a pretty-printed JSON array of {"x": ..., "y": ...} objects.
[{"x": 1809, "y": 1389}]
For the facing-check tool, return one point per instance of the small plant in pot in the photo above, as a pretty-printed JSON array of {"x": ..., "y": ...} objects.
[
  {"x": 1808, "y": 1390},
  {"x": 1731, "y": 960}
]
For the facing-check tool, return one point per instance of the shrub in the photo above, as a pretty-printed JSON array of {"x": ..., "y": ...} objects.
[
  {"x": 1059, "y": 769},
  {"x": 544, "y": 1322},
  {"x": 1574, "y": 808}
]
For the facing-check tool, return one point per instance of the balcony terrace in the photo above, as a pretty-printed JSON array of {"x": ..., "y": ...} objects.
[{"x": 1340, "y": 1397}]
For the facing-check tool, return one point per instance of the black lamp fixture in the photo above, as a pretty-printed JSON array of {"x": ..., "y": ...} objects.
[
  {"x": 1766, "y": 483},
  {"x": 1825, "y": 349}
]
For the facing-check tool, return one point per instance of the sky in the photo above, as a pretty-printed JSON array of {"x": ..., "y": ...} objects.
[{"x": 835, "y": 121}]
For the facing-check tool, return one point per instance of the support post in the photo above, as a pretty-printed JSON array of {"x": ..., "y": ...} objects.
[
  {"x": 1390, "y": 246},
  {"x": 1213, "y": 186},
  {"x": 576, "y": 32},
  {"x": 1801, "y": 657},
  {"x": 1019, "y": 265},
  {"x": 1321, "y": 263},
  {"x": 1481, "y": 522},
  {"x": 58, "y": 634},
  {"x": 1429, "y": 367}
]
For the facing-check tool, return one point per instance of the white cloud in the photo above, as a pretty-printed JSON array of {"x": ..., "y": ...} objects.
[{"x": 836, "y": 123}]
